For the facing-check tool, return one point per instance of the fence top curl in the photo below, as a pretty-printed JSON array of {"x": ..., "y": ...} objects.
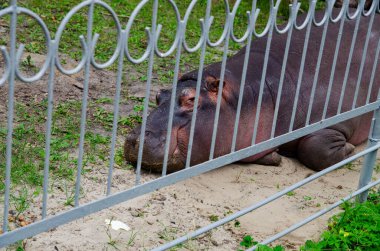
[
  {"x": 15, "y": 10},
  {"x": 89, "y": 44}
]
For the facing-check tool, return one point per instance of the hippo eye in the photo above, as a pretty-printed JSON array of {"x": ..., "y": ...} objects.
[{"x": 190, "y": 101}]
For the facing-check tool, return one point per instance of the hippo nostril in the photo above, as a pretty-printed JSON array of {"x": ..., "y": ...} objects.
[{"x": 158, "y": 97}]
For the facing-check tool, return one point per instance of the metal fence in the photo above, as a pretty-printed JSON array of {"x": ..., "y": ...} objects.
[{"x": 12, "y": 71}]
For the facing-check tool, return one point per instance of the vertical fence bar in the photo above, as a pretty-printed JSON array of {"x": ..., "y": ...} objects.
[
  {"x": 315, "y": 81},
  {"x": 336, "y": 53},
  {"x": 353, "y": 42},
  {"x": 370, "y": 158},
  {"x": 283, "y": 69},
  {"x": 272, "y": 18},
  {"x": 11, "y": 91},
  {"x": 300, "y": 74},
  {"x": 221, "y": 84},
  {"x": 48, "y": 127},
  {"x": 173, "y": 96},
  {"x": 199, "y": 81},
  {"x": 242, "y": 82},
  {"x": 364, "y": 56},
  {"x": 84, "y": 102},
  {"x": 116, "y": 110},
  {"x": 373, "y": 72},
  {"x": 147, "y": 92}
]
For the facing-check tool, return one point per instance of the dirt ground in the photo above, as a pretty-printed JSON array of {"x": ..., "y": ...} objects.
[{"x": 173, "y": 211}]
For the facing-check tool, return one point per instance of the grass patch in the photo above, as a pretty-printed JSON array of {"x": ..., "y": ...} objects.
[{"x": 28, "y": 150}]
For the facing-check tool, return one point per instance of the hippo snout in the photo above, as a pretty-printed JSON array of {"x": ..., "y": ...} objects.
[
  {"x": 131, "y": 147},
  {"x": 153, "y": 151}
]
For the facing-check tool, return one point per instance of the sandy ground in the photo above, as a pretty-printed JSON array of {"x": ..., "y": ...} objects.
[
  {"x": 172, "y": 211},
  {"x": 163, "y": 215}
]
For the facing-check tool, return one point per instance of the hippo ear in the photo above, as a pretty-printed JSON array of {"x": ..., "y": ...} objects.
[
  {"x": 212, "y": 84},
  {"x": 162, "y": 95}
]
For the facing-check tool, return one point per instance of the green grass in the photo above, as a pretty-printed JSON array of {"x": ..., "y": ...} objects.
[
  {"x": 356, "y": 228},
  {"x": 28, "y": 151}
]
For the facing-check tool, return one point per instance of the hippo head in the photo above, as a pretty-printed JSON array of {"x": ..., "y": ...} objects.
[{"x": 157, "y": 125}]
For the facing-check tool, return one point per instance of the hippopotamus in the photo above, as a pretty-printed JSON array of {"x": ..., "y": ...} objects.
[{"x": 316, "y": 151}]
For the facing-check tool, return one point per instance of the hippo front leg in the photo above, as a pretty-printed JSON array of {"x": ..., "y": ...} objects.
[
  {"x": 270, "y": 159},
  {"x": 323, "y": 148}
]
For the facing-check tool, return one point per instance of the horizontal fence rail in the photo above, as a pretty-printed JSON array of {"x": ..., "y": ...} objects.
[{"x": 301, "y": 120}]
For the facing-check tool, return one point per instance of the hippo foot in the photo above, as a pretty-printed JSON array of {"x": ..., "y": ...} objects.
[
  {"x": 323, "y": 148},
  {"x": 271, "y": 159}
]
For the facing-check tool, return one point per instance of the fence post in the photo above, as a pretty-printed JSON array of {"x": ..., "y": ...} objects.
[{"x": 370, "y": 158}]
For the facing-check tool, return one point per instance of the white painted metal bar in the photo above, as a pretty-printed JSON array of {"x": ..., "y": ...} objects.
[
  {"x": 48, "y": 128},
  {"x": 243, "y": 79},
  {"x": 208, "y": 21},
  {"x": 11, "y": 91},
  {"x": 348, "y": 63},
  {"x": 147, "y": 92},
  {"x": 173, "y": 97},
  {"x": 272, "y": 20},
  {"x": 335, "y": 60},
  {"x": 317, "y": 69},
  {"x": 221, "y": 85},
  {"x": 120, "y": 67},
  {"x": 292, "y": 20},
  {"x": 364, "y": 56},
  {"x": 84, "y": 104},
  {"x": 309, "y": 21}
]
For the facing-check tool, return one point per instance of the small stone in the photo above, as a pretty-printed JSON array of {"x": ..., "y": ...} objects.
[
  {"x": 136, "y": 213},
  {"x": 160, "y": 197},
  {"x": 11, "y": 218},
  {"x": 339, "y": 187},
  {"x": 156, "y": 213},
  {"x": 23, "y": 223},
  {"x": 21, "y": 218},
  {"x": 214, "y": 242}
]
